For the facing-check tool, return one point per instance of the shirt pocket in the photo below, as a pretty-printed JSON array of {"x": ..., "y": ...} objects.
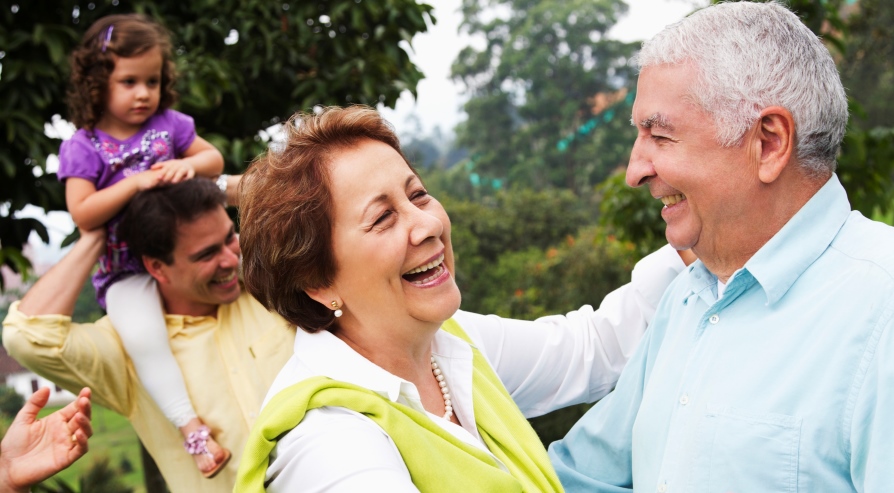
[{"x": 740, "y": 451}]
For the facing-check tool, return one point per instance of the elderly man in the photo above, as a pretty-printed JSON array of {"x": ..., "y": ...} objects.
[
  {"x": 228, "y": 347},
  {"x": 767, "y": 367}
]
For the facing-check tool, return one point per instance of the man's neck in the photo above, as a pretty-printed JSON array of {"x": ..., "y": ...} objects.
[{"x": 778, "y": 206}]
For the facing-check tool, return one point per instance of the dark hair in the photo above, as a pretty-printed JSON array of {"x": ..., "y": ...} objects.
[
  {"x": 149, "y": 224},
  {"x": 93, "y": 61},
  {"x": 285, "y": 211}
]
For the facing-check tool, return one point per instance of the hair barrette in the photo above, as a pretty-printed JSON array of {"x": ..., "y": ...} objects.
[{"x": 105, "y": 43}]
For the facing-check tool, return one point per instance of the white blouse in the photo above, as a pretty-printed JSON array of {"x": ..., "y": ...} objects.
[{"x": 547, "y": 364}]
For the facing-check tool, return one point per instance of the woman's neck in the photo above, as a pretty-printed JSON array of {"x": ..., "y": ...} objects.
[{"x": 404, "y": 353}]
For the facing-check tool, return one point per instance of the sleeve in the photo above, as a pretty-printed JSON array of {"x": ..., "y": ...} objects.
[
  {"x": 183, "y": 129},
  {"x": 597, "y": 453},
  {"x": 335, "y": 450},
  {"x": 558, "y": 361},
  {"x": 78, "y": 158},
  {"x": 871, "y": 433},
  {"x": 71, "y": 355}
]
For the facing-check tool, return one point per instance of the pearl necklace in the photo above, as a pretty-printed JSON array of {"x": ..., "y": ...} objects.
[{"x": 448, "y": 404}]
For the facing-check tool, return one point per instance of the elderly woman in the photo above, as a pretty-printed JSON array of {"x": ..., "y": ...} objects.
[{"x": 392, "y": 388}]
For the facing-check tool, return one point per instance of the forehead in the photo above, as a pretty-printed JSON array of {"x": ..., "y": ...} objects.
[
  {"x": 663, "y": 95},
  {"x": 207, "y": 229},
  {"x": 365, "y": 171},
  {"x": 149, "y": 61}
]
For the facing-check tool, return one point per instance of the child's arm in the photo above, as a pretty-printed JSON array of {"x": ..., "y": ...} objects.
[
  {"x": 91, "y": 208},
  {"x": 200, "y": 158}
]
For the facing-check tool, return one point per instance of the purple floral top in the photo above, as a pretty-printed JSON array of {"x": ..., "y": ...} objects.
[{"x": 104, "y": 160}]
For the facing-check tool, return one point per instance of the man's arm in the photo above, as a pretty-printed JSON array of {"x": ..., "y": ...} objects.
[
  {"x": 871, "y": 427},
  {"x": 57, "y": 291},
  {"x": 39, "y": 334},
  {"x": 597, "y": 453}
]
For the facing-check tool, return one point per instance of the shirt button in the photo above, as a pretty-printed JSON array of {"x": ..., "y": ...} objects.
[
  {"x": 714, "y": 318},
  {"x": 684, "y": 399},
  {"x": 662, "y": 487}
]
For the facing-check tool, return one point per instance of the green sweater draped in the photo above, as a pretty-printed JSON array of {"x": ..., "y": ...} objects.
[{"x": 437, "y": 461}]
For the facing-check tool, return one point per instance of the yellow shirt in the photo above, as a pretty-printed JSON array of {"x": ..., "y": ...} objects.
[{"x": 228, "y": 363}]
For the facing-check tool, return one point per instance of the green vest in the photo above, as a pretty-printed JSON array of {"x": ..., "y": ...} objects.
[{"x": 437, "y": 461}]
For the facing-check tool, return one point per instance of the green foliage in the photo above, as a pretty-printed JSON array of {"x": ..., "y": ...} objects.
[
  {"x": 581, "y": 270},
  {"x": 289, "y": 56},
  {"x": 542, "y": 78},
  {"x": 631, "y": 213},
  {"x": 101, "y": 476},
  {"x": 10, "y": 402},
  {"x": 113, "y": 441},
  {"x": 510, "y": 221}
]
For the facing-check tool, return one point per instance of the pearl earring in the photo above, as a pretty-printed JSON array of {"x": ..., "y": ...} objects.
[{"x": 338, "y": 313}]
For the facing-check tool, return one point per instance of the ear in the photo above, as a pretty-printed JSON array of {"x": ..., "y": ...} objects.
[
  {"x": 325, "y": 297},
  {"x": 776, "y": 133},
  {"x": 156, "y": 269}
]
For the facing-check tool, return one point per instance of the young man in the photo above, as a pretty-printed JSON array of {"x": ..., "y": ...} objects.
[{"x": 228, "y": 347}]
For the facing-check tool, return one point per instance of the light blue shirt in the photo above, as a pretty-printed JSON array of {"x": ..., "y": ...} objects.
[{"x": 784, "y": 384}]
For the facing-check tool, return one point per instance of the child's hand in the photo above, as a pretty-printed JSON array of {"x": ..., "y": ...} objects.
[
  {"x": 148, "y": 179},
  {"x": 175, "y": 170}
]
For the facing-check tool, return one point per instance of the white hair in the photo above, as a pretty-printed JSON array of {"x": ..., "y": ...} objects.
[{"x": 750, "y": 56}]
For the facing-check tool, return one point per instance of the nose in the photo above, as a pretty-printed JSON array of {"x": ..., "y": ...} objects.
[
  {"x": 230, "y": 255},
  {"x": 142, "y": 91},
  {"x": 639, "y": 169},
  {"x": 424, "y": 226}
]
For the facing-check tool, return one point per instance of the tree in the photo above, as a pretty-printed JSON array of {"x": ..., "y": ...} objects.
[
  {"x": 244, "y": 64},
  {"x": 544, "y": 91}
]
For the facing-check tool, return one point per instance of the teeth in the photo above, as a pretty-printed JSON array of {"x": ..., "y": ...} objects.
[
  {"x": 431, "y": 265},
  {"x": 672, "y": 199},
  {"x": 430, "y": 278},
  {"x": 226, "y": 279}
]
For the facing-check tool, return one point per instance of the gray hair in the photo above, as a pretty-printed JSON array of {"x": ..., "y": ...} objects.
[{"x": 750, "y": 56}]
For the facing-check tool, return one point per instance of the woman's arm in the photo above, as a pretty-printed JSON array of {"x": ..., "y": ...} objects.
[{"x": 561, "y": 360}]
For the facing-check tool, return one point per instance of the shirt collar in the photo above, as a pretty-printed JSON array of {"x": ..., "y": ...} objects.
[
  {"x": 782, "y": 260},
  {"x": 325, "y": 354}
]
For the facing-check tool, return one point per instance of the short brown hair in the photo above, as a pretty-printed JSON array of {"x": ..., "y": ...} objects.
[
  {"x": 92, "y": 62},
  {"x": 285, "y": 211},
  {"x": 150, "y": 221}
]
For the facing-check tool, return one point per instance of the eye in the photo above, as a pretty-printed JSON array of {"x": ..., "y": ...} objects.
[
  {"x": 128, "y": 82},
  {"x": 381, "y": 219},
  {"x": 152, "y": 82},
  {"x": 420, "y": 195}
]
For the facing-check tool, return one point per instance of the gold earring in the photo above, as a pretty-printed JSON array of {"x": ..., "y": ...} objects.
[{"x": 338, "y": 312}]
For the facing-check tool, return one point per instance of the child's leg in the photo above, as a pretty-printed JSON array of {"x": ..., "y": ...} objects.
[{"x": 134, "y": 307}]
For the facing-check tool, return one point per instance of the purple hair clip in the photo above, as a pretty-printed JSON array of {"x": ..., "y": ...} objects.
[{"x": 105, "y": 43}]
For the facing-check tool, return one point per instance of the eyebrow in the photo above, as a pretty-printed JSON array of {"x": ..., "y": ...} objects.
[
  {"x": 656, "y": 120},
  {"x": 213, "y": 248},
  {"x": 384, "y": 197}
]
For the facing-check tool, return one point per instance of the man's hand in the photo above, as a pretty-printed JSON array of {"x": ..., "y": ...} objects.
[{"x": 35, "y": 449}]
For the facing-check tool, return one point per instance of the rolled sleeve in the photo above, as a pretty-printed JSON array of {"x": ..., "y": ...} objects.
[{"x": 71, "y": 355}]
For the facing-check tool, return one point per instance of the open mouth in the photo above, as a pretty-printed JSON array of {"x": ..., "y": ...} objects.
[
  {"x": 669, "y": 200},
  {"x": 224, "y": 280},
  {"x": 427, "y": 272}
]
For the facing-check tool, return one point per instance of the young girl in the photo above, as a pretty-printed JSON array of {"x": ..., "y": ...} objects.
[{"x": 128, "y": 140}]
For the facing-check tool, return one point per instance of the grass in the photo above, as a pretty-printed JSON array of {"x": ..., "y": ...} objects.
[{"x": 113, "y": 438}]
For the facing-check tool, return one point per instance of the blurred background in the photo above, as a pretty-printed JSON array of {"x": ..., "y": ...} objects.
[{"x": 515, "y": 112}]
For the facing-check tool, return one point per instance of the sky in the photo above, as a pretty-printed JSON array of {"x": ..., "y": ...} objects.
[{"x": 439, "y": 100}]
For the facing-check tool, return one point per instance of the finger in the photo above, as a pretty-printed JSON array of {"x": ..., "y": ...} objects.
[
  {"x": 33, "y": 405},
  {"x": 84, "y": 403},
  {"x": 82, "y": 423},
  {"x": 157, "y": 166}
]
